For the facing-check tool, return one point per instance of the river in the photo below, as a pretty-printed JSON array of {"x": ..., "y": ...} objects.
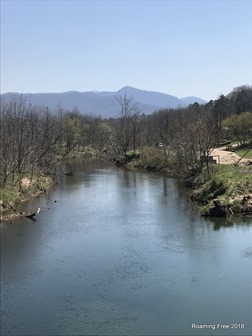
[{"x": 119, "y": 252}]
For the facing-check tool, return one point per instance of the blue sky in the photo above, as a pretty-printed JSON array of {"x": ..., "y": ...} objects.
[{"x": 184, "y": 48}]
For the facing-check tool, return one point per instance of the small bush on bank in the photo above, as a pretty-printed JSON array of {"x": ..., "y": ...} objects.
[{"x": 152, "y": 159}]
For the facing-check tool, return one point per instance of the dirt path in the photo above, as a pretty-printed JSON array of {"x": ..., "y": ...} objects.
[{"x": 225, "y": 157}]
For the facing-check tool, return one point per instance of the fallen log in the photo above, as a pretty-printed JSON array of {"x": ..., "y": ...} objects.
[{"x": 33, "y": 214}]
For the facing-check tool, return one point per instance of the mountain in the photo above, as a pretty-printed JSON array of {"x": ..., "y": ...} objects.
[
  {"x": 104, "y": 103},
  {"x": 192, "y": 100}
]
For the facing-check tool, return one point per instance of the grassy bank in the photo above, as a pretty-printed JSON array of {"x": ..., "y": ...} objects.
[
  {"x": 11, "y": 195},
  {"x": 76, "y": 153},
  {"x": 244, "y": 153},
  {"x": 147, "y": 158},
  {"x": 227, "y": 191}
]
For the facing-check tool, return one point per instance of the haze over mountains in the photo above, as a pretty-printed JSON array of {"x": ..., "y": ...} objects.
[{"x": 104, "y": 103}]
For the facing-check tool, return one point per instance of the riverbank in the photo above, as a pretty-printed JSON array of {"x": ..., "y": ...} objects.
[
  {"x": 226, "y": 191},
  {"x": 12, "y": 196},
  {"x": 149, "y": 158},
  {"x": 76, "y": 153}
]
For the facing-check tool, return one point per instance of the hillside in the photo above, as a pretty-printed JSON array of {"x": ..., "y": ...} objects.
[{"x": 104, "y": 103}]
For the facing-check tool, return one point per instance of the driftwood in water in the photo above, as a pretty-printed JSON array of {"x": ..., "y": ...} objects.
[{"x": 33, "y": 214}]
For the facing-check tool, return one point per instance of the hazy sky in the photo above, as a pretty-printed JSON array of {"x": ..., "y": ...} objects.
[{"x": 199, "y": 48}]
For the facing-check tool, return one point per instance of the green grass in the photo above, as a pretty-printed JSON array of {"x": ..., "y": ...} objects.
[
  {"x": 7, "y": 195},
  {"x": 152, "y": 158},
  {"x": 226, "y": 181},
  {"x": 241, "y": 152},
  {"x": 12, "y": 193},
  {"x": 237, "y": 178}
]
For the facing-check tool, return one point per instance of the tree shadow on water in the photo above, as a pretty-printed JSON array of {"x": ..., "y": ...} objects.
[{"x": 219, "y": 223}]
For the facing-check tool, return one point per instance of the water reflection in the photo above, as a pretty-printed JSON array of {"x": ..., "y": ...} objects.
[
  {"x": 231, "y": 221},
  {"x": 122, "y": 252}
]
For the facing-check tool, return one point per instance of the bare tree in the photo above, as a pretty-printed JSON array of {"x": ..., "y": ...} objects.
[{"x": 127, "y": 123}]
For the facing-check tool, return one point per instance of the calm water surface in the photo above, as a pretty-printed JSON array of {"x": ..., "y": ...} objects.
[{"x": 123, "y": 253}]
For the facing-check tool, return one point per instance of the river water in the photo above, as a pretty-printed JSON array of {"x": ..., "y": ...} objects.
[{"x": 118, "y": 252}]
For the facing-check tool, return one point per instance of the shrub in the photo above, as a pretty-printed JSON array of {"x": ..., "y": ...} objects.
[{"x": 152, "y": 158}]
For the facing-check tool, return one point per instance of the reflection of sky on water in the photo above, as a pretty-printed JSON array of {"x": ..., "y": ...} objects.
[{"x": 122, "y": 251}]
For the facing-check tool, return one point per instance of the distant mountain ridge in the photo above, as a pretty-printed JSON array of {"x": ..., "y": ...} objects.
[{"x": 103, "y": 103}]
